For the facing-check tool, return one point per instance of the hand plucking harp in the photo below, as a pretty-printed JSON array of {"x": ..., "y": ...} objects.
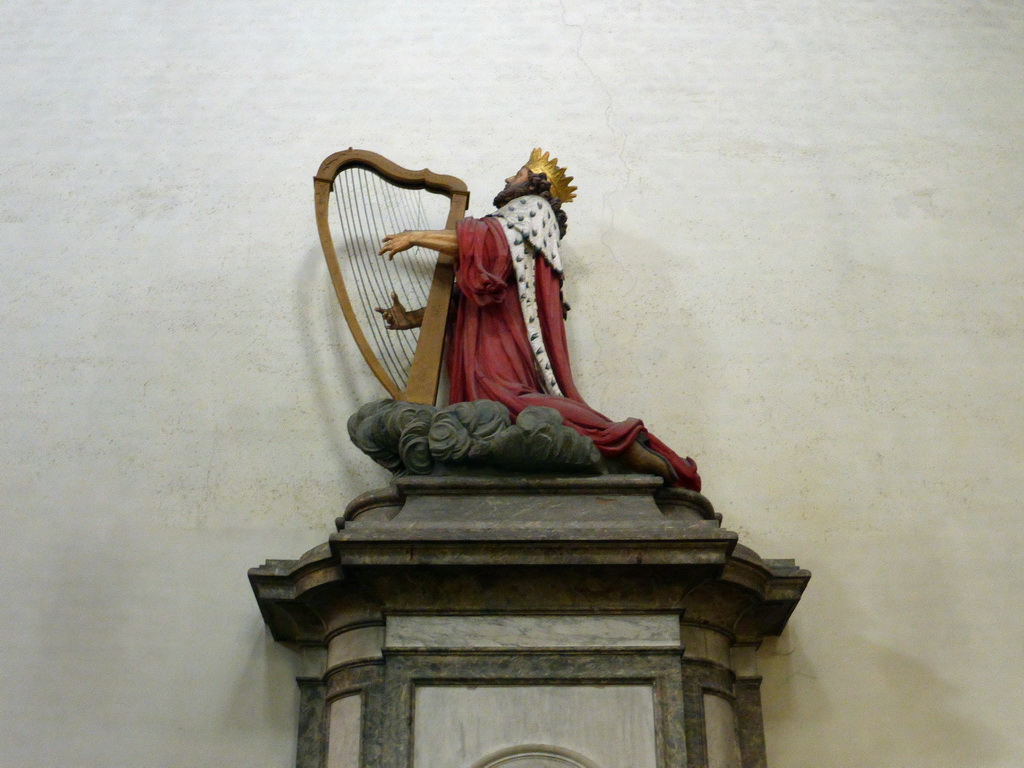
[
  {"x": 394, "y": 244},
  {"x": 398, "y": 318}
]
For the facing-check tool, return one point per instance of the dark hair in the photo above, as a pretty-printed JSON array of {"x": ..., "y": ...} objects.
[{"x": 537, "y": 184}]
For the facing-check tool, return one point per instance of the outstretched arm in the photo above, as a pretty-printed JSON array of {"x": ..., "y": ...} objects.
[{"x": 443, "y": 240}]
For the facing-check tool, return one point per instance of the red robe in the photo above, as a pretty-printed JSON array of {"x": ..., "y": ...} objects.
[{"x": 490, "y": 357}]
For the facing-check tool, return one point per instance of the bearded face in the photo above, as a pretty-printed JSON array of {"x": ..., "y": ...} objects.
[
  {"x": 523, "y": 183},
  {"x": 526, "y": 182}
]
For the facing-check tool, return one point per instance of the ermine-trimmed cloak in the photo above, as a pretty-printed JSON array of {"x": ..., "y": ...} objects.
[{"x": 508, "y": 339}]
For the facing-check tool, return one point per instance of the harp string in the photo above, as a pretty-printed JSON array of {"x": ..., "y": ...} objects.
[
  {"x": 428, "y": 259},
  {"x": 421, "y": 261},
  {"x": 388, "y": 205},
  {"x": 356, "y": 255},
  {"x": 353, "y": 247},
  {"x": 404, "y": 340},
  {"x": 407, "y": 269},
  {"x": 395, "y": 344},
  {"x": 404, "y": 209},
  {"x": 368, "y": 208}
]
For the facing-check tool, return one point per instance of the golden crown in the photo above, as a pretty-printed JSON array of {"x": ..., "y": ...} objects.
[{"x": 541, "y": 162}]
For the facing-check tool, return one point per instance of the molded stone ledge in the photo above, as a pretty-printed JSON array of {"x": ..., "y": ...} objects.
[
  {"x": 482, "y": 543},
  {"x": 535, "y": 519},
  {"x": 536, "y": 497},
  {"x": 529, "y": 545}
]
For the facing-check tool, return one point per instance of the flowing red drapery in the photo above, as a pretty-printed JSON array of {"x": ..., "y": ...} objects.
[{"x": 490, "y": 357}]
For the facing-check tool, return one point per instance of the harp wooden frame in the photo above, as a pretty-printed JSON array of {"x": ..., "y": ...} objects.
[{"x": 425, "y": 371}]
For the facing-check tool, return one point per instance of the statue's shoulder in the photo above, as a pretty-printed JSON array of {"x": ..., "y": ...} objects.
[{"x": 530, "y": 220}]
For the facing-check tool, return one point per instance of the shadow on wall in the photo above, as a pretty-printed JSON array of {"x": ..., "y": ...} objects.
[
  {"x": 266, "y": 683},
  {"x": 896, "y": 710},
  {"x": 340, "y": 380},
  {"x": 633, "y": 331}
]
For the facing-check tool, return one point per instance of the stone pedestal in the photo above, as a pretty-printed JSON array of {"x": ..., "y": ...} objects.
[{"x": 547, "y": 622}]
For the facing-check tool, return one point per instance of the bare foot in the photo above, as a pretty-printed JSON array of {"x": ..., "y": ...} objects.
[{"x": 646, "y": 461}]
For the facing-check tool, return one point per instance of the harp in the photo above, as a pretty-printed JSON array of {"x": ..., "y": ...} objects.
[{"x": 360, "y": 197}]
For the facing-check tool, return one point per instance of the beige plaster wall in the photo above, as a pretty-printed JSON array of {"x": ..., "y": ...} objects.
[{"x": 796, "y": 253}]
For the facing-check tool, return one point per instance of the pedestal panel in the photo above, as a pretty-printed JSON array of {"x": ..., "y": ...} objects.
[{"x": 610, "y": 726}]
